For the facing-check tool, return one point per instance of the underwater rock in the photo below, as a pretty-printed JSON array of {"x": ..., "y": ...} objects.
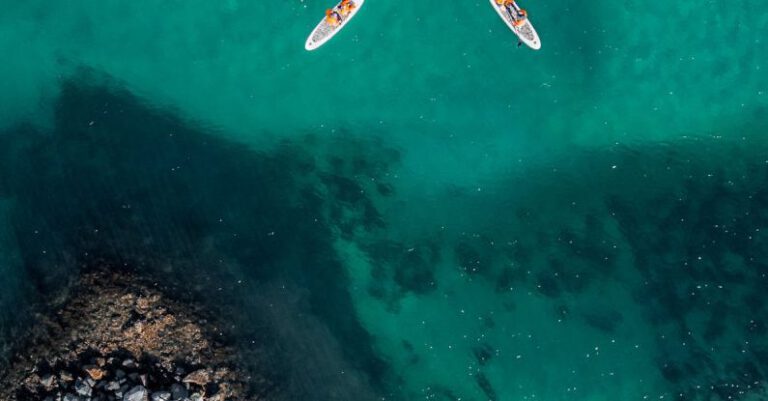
[
  {"x": 82, "y": 388},
  {"x": 137, "y": 393},
  {"x": 178, "y": 391},
  {"x": 94, "y": 372},
  {"x": 122, "y": 354},
  {"x": 47, "y": 381},
  {"x": 200, "y": 377},
  {"x": 71, "y": 397},
  {"x": 161, "y": 396}
]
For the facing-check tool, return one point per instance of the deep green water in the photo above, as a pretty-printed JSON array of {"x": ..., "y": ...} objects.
[{"x": 418, "y": 210}]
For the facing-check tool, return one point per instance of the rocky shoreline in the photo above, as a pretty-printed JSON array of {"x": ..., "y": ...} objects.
[{"x": 118, "y": 338}]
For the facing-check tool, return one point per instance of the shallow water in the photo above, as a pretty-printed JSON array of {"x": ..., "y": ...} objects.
[{"x": 419, "y": 209}]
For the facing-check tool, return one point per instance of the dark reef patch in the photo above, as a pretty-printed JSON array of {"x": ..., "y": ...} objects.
[
  {"x": 681, "y": 231},
  {"x": 548, "y": 286},
  {"x": 485, "y": 385},
  {"x": 118, "y": 180},
  {"x": 699, "y": 251},
  {"x": 416, "y": 270},
  {"x": 509, "y": 277},
  {"x": 604, "y": 320},
  {"x": 399, "y": 269},
  {"x": 483, "y": 353}
]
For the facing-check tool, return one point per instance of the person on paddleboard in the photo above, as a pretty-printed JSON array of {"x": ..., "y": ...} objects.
[
  {"x": 332, "y": 17},
  {"x": 521, "y": 15},
  {"x": 518, "y": 14}
]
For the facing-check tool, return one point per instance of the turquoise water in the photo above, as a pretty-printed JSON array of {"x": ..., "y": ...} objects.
[{"x": 420, "y": 209}]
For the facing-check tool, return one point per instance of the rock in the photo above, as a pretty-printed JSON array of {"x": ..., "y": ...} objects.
[
  {"x": 113, "y": 386},
  {"x": 94, "y": 372},
  {"x": 124, "y": 389},
  {"x": 221, "y": 373},
  {"x": 142, "y": 305},
  {"x": 47, "y": 381},
  {"x": 82, "y": 388},
  {"x": 119, "y": 373},
  {"x": 196, "y": 397},
  {"x": 65, "y": 376},
  {"x": 161, "y": 396},
  {"x": 130, "y": 364},
  {"x": 137, "y": 393},
  {"x": 70, "y": 397},
  {"x": 178, "y": 391},
  {"x": 120, "y": 392},
  {"x": 200, "y": 377}
]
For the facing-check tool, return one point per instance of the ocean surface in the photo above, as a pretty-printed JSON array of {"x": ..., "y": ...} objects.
[{"x": 419, "y": 210}]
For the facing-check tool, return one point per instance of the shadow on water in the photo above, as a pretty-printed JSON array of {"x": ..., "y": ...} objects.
[{"x": 248, "y": 233}]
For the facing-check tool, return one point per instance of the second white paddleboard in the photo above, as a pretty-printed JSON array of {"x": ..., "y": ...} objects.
[{"x": 324, "y": 31}]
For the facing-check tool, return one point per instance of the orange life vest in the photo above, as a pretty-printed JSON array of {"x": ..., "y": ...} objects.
[
  {"x": 330, "y": 18},
  {"x": 521, "y": 21}
]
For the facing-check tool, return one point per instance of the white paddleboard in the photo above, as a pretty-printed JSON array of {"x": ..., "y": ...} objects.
[
  {"x": 525, "y": 31},
  {"x": 323, "y": 32}
]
